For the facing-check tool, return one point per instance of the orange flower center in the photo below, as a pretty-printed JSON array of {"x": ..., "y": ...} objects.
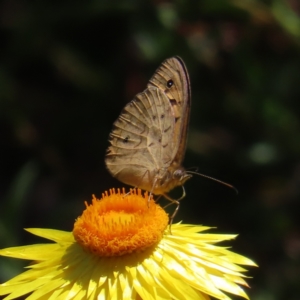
[{"x": 120, "y": 223}]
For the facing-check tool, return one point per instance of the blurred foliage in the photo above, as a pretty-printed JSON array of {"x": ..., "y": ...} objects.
[{"x": 68, "y": 68}]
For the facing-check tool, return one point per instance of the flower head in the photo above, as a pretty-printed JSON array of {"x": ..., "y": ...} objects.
[{"x": 121, "y": 248}]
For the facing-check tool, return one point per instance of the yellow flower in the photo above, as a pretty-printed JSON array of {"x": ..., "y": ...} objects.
[{"x": 121, "y": 248}]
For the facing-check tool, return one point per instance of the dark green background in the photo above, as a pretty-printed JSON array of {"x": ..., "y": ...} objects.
[{"x": 67, "y": 70}]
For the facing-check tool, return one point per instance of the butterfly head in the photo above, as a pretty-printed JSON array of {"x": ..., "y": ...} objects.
[
  {"x": 181, "y": 176},
  {"x": 175, "y": 176}
]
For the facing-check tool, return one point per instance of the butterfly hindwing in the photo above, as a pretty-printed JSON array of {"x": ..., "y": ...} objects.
[{"x": 141, "y": 140}]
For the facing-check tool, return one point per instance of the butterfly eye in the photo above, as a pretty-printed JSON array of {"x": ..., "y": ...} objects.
[
  {"x": 170, "y": 83},
  {"x": 178, "y": 174}
]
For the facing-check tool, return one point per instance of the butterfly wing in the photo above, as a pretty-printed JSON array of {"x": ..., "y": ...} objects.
[
  {"x": 141, "y": 142},
  {"x": 173, "y": 79},
  {"x": 148, "y": 141}
]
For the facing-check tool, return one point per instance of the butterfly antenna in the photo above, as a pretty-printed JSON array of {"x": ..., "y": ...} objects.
[{"x": 214, "y": 179}]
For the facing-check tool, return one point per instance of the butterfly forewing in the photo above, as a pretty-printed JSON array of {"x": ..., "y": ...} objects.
[{"x": 173, "y": 79}]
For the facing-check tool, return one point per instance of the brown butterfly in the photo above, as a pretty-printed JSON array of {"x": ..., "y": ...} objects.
[{"x": 148, "y": 140}]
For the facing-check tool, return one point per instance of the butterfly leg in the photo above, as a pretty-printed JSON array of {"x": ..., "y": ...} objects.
[
  {"x": 152, "y": 189},
  {"x": 173, "y": 200},
  {"x": 128, "y": 193},
  {"x": 177, "y": 203},
  {"x": 157, "y": 199}
]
